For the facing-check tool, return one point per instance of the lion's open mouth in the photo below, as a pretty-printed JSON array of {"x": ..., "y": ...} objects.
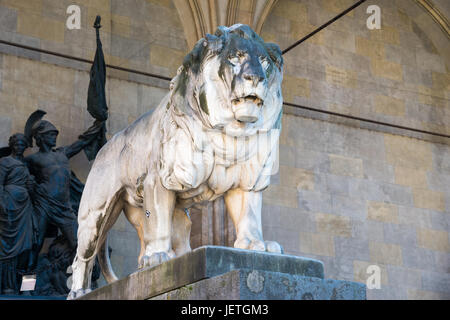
[
  {"x": 249, "y": 98},
  {"x": 247, "y": 108}
]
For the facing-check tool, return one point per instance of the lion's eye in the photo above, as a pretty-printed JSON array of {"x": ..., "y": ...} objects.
[
  {"x": 237, "y": 57},
  {"x": 234, "y": 59},
  {"x": 264, "y": 63}
]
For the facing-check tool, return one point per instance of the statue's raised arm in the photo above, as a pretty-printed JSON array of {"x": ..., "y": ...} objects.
[{"x": 90, "y": 141}]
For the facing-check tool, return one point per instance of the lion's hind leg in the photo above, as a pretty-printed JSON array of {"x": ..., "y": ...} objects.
[
  {"x": 136, "y": 216},
  {"x": 92, "y": 231},
  {"x": 81, "y": 277}
]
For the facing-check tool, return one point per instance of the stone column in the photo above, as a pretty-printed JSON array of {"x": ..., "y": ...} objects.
[{"x": 211, "y": 225}]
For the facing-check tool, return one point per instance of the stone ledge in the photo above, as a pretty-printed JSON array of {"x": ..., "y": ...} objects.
[
  {"x": 247, "y": 284},
  {"x": 202, "y": 263}
]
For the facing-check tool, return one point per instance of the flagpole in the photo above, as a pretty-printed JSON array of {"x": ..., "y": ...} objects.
[
  {"x": 97, "y": 26},
  {"x": 96, "y": 99}
]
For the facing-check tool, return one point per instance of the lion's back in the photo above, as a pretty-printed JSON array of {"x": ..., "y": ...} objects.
[{"x": 125, "y": 156}]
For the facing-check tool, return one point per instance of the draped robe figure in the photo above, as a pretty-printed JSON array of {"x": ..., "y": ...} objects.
[{"x": 16, "y": 218}]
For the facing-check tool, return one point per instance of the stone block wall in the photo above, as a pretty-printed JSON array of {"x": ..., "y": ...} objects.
[
  {"x": 398, "y": 74},
  {"x": 353, "y": 198},
  {"x": 143, "y": 35}
]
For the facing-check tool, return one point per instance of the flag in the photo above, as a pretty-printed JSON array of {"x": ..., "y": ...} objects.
[{"x": 96, "y": 100}]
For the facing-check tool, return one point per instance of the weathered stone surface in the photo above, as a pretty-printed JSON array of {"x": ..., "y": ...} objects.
[
  {"x": 202, "y": 263},
  {"x": 318, "y": 243},
  {"x": 381, "y": 211},
  {"x": 433, "y": 239},
  {"x": 247, "y": 284},
  {"x": 385, "y": 253},
  {"x": 5, "y": 130}
]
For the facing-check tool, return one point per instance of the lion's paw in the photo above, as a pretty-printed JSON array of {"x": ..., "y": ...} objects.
[
  {"x": 272, "y": 246},
  {"x": 77, "y": 293},
  {"x": 246, "y": 243},
  {"x": 155, "y": 259},
  {"x": 258, "y": 245}
]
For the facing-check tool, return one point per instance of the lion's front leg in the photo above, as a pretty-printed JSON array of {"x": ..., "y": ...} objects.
[
  {"x": 158, "y": 207},
  {"x": 245, "y": 211}
]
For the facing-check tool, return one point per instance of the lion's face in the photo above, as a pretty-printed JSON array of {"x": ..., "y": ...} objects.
[{"x": 235, "y": 81}]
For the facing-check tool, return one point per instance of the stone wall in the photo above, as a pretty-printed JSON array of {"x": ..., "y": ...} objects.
[
  {"x": 146, "y": 35},
  {"x": 141, "y": 35},
  {"x": 398, "y": 74},
  {"x": 353, "y": 197}
]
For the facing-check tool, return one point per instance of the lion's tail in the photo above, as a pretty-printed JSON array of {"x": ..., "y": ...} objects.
[{"x": 105, "y": 262}]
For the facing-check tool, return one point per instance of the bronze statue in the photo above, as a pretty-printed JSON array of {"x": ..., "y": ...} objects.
[
  {"x": 40, "y": 193},
  {"x": 51, "y": 169},
  {"x": 16, "y": 214}
]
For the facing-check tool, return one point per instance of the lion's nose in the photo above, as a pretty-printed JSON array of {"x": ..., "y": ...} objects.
[
  {"x": 253, "y": 77},
  {"x": 253, "y": 72}
]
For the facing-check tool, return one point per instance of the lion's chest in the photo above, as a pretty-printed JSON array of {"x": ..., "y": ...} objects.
[
  {"x": 201, "y": 166},
  {"x": 222, "y": 179},
  {"x": 240, "y": 164}
]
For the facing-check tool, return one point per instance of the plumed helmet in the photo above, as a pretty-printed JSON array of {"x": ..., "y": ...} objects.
[
  {"x": 35, "y": 125},
  {"x": 43, "y": 126}
]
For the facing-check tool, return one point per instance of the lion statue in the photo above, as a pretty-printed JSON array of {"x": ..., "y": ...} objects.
[{"x": 215, "y": 134}]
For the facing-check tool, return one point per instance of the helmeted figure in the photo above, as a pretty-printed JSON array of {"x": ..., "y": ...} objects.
[{"x": 51, "y": 169}]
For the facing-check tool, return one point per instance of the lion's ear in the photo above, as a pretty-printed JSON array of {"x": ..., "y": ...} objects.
[
  {"x": 221, "y": 32},
  {"x": 275, "y": 53},
  {"x": 210, "y": 44},
  {"x": 215, "y": 44},
  {"x": 179, "y": 88},
  {"x": 193, "y": 59}
]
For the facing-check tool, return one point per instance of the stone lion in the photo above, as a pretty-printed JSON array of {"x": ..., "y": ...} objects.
[{"x": 214, "y": 134}]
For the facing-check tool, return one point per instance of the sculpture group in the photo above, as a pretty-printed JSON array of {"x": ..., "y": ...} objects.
[
  {"x": 35, "y": 194},
  {"x": 39, "y": 195},
  {"x": 214, "y": 134}
]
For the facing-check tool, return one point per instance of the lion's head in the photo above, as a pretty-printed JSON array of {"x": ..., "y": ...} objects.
[{"x": 231, "y": 81}]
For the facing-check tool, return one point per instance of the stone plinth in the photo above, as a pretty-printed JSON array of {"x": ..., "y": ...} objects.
[{"x": 212, "y": 272}]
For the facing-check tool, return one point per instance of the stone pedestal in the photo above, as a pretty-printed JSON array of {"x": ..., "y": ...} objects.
[{"x": 212, "y": 272}]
